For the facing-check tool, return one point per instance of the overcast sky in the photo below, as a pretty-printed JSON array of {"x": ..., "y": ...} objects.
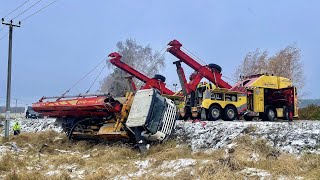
[{"x": 56, "y": 47}]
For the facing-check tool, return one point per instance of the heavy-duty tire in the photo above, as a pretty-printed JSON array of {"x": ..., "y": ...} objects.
[
  {"x": 230, "y": 113},
  {"x": 269, "y": 114},
  {"x": 248, "y": 118},
  {"x": 216, "y": 67},
  {"x": 285, "y": 113},
  {"x": 214, "y": 113},
  {"x": 160, "y": 77}
]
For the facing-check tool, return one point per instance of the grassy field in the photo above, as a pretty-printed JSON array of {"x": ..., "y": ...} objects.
[{"x": 62, "y": 159}]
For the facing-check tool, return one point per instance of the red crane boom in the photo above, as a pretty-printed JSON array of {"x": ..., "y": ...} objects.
[
  {"x": 201, "y": 71},
  {"x": 115, "y": 59}
]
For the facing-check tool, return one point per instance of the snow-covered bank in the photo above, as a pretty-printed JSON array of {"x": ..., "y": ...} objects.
[
  {"x": 35, "y": 125},
  {"x": 293, "y": 137}
]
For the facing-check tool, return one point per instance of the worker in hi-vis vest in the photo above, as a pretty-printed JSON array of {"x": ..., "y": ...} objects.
[{"x": 16, "y": 128}]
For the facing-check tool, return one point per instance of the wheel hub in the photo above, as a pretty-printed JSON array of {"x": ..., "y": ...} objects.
[
  {"x": 230, "y": 113},
  {"x": 215, "y": 113},
  {"x": 271, "y": 114}
]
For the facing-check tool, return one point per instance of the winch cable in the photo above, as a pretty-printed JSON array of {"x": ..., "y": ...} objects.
[
  {"x": 152, "y": 59},
  {"x": 162, "y": 54},
  {"x": 83, "y": 77},
  {"x": 194, "y": 56},
  {"x": 96, "y": 78},
  {"x": 155, "y": 59},
  {"x": 231, "y": 79}
]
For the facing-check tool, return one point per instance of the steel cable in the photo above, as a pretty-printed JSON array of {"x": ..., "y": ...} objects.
[
  {"x": 96, "y": 78},
  {"x": 194, "y": 56},
  {"x": 83, "y": 77}
]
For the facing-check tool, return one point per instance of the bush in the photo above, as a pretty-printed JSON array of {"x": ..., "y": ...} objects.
[{"x": 311, "y": 112}]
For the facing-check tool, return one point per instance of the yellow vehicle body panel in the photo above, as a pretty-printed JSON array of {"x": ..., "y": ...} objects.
[
  {"x": 258, "y": 100},
  {"x": 223, "y": 98},
  {"x": 284, "y": 82},
  {"x": 279, "y": 112},
  {"x": 272, "y": 82}
]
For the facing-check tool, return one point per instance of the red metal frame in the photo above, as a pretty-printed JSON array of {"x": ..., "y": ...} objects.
[
  {"x": 100, "y": 106},
  {"x": 115, "y": 59},
  {"x": 200, "y": 70}
]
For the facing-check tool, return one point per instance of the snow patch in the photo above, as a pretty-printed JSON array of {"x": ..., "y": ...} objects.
[
  {"x": 35, "y": 125},
  {"x": 262, "y": 174},
  {"x": 293, "y": 137}
]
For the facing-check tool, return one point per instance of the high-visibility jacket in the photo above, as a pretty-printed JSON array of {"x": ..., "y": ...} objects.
[{"x": 16, "y": 127}]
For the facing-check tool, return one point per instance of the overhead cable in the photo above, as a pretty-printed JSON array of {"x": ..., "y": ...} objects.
[
  {"x": 26, "y": 9},
  {"x": 39, "y": 10},
  {"x": 16, "y": 9}
]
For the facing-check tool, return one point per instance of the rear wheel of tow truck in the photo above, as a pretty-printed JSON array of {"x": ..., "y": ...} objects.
[
  {"x": 230, "y": 113},
  {"x": 286, "y": 113},
  {"x": 270, "y": 114},
  {"x": 214, "y": 113}
]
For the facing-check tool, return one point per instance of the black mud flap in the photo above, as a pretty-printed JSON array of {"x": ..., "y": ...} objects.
[{"x": 140, "y": 140}]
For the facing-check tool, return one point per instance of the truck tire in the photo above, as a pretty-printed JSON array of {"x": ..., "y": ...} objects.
[
  {"x": 215, "y": 67},
  {"x": 214, "y": 113},
  {"x": 230, "y": 113},
  {"x": 160, "y": 77},
  {"x": 285, "y": 113},
  {"x": 269, "y": 114}
]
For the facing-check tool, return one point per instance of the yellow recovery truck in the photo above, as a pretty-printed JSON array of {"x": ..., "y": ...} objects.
[{"x": 265, "y": 96}]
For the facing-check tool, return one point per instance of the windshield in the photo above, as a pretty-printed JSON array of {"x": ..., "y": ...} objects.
[{"x": 157, "y": 110}]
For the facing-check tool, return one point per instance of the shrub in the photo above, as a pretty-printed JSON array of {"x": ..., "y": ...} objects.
[{"x": 311, "y": 112}]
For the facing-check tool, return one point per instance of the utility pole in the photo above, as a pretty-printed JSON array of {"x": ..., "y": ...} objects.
[{"x": 7, "y": 122}]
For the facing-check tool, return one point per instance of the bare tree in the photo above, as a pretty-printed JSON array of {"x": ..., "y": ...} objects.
[
  {"x": 141, "y": 58},
  {"x": 286, "y": 63}
]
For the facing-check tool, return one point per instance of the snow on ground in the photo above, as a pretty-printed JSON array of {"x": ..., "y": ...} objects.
[
  {"x": 293, "y": 137},
  {"x": 35, "y": 125},
  {"x": 168, "y": 168}
]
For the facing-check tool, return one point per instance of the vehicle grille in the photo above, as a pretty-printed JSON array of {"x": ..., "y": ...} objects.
[{"x": 169, "y": 117}]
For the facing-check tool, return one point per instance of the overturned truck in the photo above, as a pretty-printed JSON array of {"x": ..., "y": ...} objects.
[{"x": 143, "y": 117}]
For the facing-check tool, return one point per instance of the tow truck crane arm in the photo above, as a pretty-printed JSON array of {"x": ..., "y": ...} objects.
[
  {"x": 115, "y": 59},
  {"x": 201, "y": 71}
]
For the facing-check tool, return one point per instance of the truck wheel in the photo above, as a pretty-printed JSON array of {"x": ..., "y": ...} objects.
[
  {"x": 160, "y": 77},
  {"x": 248, "y": 118},
  {"x": 214, "y": 113},
  {"x": 230, "y": 113},
  {"x": 285, "y": 113},
  {"x": 216, "y": 67},
  {"x": 270, "y": 114}
]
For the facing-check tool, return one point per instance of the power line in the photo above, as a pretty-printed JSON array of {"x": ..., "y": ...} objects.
[
  {"x": 16, "y": 9},
  {"x": 39, "y": 10},
  {"x": 27, "y": 9},
  {"x": 2, "y": 28},
  {"x": 4, "y": 36}
]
